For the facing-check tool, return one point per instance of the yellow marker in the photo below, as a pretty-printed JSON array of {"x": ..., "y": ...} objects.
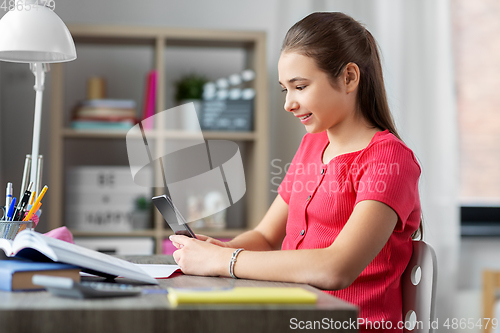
[{"x": 35, "y": 204}]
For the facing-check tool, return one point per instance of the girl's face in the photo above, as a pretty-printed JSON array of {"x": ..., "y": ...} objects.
[{"x": 311, "y": 97}]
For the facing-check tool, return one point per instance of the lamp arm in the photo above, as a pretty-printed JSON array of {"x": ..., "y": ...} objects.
[{"x": 38, "y": 70}]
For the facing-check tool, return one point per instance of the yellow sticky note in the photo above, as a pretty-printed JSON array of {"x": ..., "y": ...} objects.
[{"x": 242, "y": 295}]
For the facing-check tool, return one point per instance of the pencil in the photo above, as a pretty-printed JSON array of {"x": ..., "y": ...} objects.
[{"x": 33, "y": 196}]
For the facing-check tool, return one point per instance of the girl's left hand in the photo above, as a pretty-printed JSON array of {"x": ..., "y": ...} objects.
[{"x": 196, "y": 257}]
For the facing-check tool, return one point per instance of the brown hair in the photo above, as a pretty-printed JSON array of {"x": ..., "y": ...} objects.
[{"x": 333, "y": 40}]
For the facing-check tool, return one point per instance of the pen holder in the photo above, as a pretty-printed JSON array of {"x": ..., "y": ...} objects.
[{"x": 9, "y": 229}]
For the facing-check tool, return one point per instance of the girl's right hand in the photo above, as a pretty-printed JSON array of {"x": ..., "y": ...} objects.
[{"x": 212, "y": 240}]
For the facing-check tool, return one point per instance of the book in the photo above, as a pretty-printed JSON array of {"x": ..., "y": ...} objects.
[
  {"x": 17, "y": 274},
  {"x": 101, "y": 125},
  {"x": 108, "y": 119},
  {"x": 110, "y": 103},
  {"x": 149, "y": 99},
  {"x": 34, "y": 246},
  {"x": 241, "y": 295},
  {"x": 104, "y": 112}
]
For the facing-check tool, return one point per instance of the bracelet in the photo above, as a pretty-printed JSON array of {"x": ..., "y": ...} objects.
[{"x": 233, "y": 261}]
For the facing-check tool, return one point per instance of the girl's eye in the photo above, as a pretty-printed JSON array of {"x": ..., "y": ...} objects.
[
  {"x": 283, "y": 90},
  {"x": 300, "y": 87}
]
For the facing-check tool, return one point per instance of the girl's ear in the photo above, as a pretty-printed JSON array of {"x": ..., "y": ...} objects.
[{"x": 351, "y": 77}]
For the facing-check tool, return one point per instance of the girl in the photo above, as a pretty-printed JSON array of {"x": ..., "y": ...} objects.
[{"x": 348, "y": 206}]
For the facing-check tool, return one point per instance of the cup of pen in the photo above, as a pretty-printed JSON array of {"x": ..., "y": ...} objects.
[{"x": 9, "y": 229}]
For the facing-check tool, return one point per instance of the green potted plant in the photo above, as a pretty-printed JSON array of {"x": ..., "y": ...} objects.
[
  {"x": 141, "y": 215},
  {"x": 190, "y": 89}
]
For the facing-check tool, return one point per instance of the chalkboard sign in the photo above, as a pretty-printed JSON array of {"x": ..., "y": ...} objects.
[{"x": 227, "y": 115}]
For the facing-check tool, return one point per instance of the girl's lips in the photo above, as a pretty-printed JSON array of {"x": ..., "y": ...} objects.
[
  {"x": 302, "y": 115},
  {"x": 306, "y": 119}
]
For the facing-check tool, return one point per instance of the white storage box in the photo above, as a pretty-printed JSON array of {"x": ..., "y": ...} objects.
[{"x": 105, "y": 199}]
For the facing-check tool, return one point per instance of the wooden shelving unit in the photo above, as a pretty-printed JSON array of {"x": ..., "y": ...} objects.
[{"x": 159, "y": 40}]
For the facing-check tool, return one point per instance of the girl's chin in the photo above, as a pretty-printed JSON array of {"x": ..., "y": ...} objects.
[{"x": 314, "y": 129}]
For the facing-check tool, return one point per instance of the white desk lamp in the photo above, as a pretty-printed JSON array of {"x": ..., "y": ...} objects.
[{"x": 32, "y": 33}]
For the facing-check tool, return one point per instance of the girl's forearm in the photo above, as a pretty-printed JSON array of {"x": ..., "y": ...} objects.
[
  {"x": 250, "y": 240},
  {"x": 314, "y": 267}
]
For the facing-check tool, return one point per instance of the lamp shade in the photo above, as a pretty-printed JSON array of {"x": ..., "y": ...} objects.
[{"x": 36, "y": 35}]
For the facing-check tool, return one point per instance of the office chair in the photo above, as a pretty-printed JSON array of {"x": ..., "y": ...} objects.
[{"x": 418, "y": 284}]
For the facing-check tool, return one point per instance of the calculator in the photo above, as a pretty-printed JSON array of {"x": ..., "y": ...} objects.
[{"x": 66, "y": 287}]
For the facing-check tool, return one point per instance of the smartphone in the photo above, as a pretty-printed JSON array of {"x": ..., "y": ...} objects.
[{"x": 172, "y": 216}]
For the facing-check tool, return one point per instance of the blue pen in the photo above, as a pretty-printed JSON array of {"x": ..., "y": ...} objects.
[{"x": 10, "y": 212}]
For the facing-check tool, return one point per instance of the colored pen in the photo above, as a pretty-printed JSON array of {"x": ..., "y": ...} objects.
[
  {"x": 8, "y": 195},
  {"x": 35, "y": 204},
  {"x": 22, "y": 204},
  {"x": 11, "y": 209}
]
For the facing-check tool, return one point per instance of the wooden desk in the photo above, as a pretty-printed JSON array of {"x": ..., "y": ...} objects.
[{"x": 42, "y": 312}]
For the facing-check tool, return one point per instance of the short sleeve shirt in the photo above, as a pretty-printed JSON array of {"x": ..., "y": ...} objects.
[{"x": 321, "y": 198}]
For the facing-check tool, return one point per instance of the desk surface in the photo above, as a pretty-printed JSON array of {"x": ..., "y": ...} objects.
[{"x": 25, "y": 311}]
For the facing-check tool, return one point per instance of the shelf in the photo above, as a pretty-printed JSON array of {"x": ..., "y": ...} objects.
[
  {"x": 168, "y": 134},
  {"x": 133, "y": 233},
  {"x": 156, "y": 47},
  {"x": 115, "y": 34}
]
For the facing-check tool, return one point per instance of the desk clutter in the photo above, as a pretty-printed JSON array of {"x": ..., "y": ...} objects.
[
  {"x": 33, "y": 246},
  {"x": 22, "y": 214},
  {"x": 27, "y": 269}
]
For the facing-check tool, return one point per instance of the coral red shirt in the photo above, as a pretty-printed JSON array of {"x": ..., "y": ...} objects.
[{"x": 321, "y": 198}]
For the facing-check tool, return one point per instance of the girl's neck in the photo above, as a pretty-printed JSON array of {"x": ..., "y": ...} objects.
[{"x": 349, "y": 137}]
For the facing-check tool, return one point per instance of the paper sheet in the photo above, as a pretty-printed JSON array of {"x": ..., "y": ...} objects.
[
  {"x": 154, "y": 270},
  {"x": 159, "y": 271}
]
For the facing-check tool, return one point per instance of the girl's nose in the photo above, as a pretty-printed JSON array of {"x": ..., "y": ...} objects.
[{"x": 290, "y": 104}]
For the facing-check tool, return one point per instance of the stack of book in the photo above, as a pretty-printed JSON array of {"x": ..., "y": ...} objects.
[
  {"x": 36, "y": 253},
  {"x": 105, "y": 114}
]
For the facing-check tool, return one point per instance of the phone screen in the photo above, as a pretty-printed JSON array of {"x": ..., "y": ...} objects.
[{"x": 172, "y": 216}]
